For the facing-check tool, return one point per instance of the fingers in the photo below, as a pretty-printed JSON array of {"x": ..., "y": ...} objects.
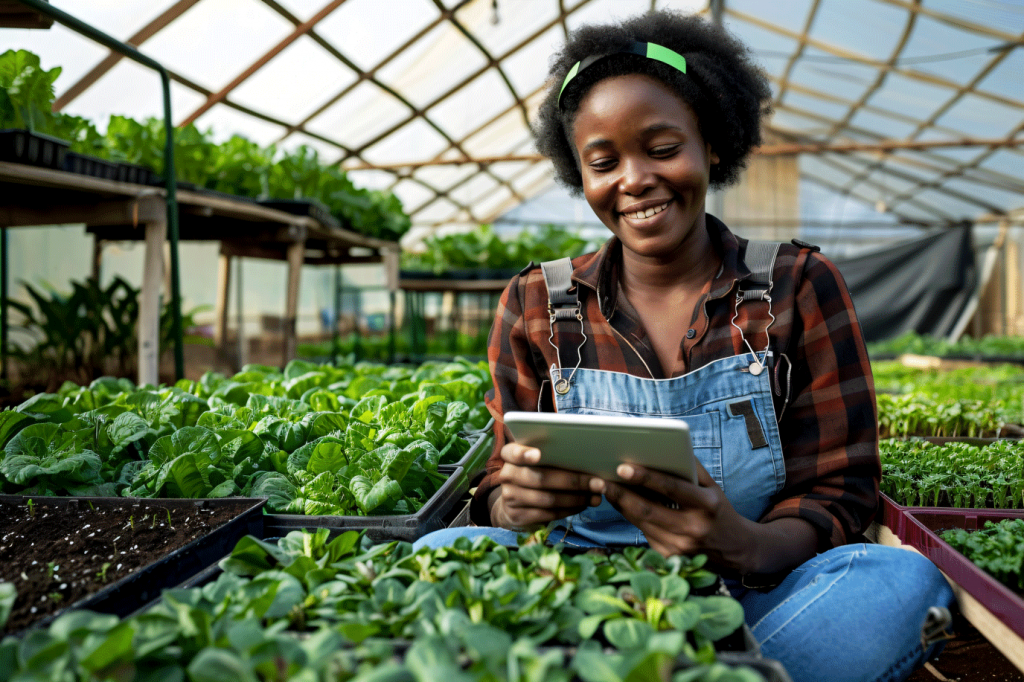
[
  {"x": 687, "y": 495},
  {"x": 684, "y": 528},
  {"x": 521, "y": 469},
  {"x": 513, "y": 510},
  {"x": 531, "y": 497}
]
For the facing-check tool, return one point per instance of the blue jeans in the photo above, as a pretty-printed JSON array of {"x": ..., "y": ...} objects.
[{"x": 853, "y": 613}]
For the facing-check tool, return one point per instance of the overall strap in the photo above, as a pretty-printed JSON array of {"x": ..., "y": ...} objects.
[
  {"x": 563, "y": 299},
  {"x": 760, "y": 258},
  {"x": 564, "y": 306}
]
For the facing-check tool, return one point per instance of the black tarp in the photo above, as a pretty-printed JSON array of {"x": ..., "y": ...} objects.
[{"x": 921, "y": 285}]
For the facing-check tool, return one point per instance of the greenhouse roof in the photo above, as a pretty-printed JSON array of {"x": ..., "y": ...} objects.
[{"x": 913, "y": 107}]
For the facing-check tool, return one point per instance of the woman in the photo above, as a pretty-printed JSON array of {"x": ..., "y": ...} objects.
[{"x": 756, "y": 346}]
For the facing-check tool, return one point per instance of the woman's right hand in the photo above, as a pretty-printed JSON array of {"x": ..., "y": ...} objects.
[{"x": 530, "y": 496}]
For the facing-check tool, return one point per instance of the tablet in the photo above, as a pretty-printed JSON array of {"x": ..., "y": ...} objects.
[{"x": 597, "y": 444}]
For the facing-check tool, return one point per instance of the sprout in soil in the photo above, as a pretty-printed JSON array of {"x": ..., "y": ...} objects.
[
  {"x": 153, "y": 522},
  {"x": 31, "y": 508},
  {"x": 169, "y": 525},
  {"x": 131, "y": 521},
  {"x": 55, "y": 597},
  {"x": 51, "y": 568},
  {"x": 102, "y": 573}
]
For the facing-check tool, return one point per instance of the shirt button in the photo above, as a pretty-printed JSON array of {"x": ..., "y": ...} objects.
[{"x": 690, "y": 333}]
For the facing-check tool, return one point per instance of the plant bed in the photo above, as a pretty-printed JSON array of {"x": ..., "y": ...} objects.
[
  {"x": 407, "y": 527},
  {"x": 953, "y": 473},
  {"x": 110, "y": 554},
  {"x": 993, "y": 607},
  {"x": 33, "y": 149}
]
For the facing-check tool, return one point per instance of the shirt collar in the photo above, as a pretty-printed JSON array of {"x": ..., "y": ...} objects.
[{"x": 601, "y": 272}]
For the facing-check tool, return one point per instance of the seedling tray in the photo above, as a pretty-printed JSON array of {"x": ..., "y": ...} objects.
[
  {"x": 408, "y": 527},
  {"x": 91, "y": 166},
  {"x": 306, "y": 207},
  {"x": 133, "y": 174},
  {"x": 33, "y": 149},
  {"x": 994, "y": 609},
  {"x": 142, "y": 586}
]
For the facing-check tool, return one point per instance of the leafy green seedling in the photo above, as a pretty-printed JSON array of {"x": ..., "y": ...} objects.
[
  {"x": 31, "y": 508},
  {"x": 101, "y": 574},
  {"x": 55, "y": 597}
]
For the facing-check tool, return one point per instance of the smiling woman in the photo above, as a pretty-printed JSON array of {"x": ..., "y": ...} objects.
[{"x": 755, "y": 345}]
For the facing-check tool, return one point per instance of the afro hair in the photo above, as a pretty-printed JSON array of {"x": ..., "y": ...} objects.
[{"x": 727, "y": 92}]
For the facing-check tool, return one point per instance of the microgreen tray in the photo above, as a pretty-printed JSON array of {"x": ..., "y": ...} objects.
[
  {"x": 921, "y": 531},
  {"x": 408, "y": 527},
  {"x": 135, "y": 590}
]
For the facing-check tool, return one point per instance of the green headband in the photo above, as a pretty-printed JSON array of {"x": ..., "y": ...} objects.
[{"x": 649, "y": 50}]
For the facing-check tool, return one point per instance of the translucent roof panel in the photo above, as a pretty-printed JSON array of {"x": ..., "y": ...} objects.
[{"x": 914, "y": 107}]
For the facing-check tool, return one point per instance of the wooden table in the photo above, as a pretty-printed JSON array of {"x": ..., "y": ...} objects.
[{"x": 117, "y": 211}]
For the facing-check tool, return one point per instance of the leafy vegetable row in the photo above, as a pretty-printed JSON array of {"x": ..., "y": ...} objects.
[
  {"x": 483, "y": 248},
  {"x": 309, "y": 609},
  {"x": 921, "y": 474},
  {"x": 917, "y": 414},
  {"x": 911, "y": 342},
  {"x": 997, "y": 549},
  {"x": 238, "y": 166},
  {"x": 314, "y": 439}
]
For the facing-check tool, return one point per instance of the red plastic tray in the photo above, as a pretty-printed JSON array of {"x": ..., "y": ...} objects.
[{"x": 921, "y": 531}]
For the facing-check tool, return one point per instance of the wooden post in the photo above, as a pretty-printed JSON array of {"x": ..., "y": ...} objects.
[
  {"x": 97, "y": 257},
  {"x": 149, "y": 304},
  {"x": 220, "y": 329},
  {"x": 296, "y": 256}
]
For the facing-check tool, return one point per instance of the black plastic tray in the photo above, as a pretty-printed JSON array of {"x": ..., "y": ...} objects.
[
  {"x": 134, "y": 174},
  {"x": 136, "y": 590},
  {"x": 90, "y": 165},
  {"x": 479, "y": 452},
  {"x": 408, "y": 527},
  {"x": 33, "y": 149},
  {"x": 313, "y": 208}
]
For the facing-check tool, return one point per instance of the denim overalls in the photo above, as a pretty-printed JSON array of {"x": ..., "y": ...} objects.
[
  {"x": 727, "y": 404},
  {"x": 853, "y": 613}
]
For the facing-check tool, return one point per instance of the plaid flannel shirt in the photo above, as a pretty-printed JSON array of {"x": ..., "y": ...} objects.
[{"x": 824, "y": 394}]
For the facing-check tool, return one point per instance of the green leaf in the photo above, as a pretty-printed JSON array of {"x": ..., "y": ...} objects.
[
  {"x": 8, "y": 593},
  {"x": 217, "y": 665},
  {"x": 627, "y": 634}
]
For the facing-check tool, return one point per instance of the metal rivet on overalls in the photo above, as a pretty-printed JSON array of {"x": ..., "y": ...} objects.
[
  {"x": 756, "y": 368},
  {"x": 690, "y": 333},
  {"x": 562, "y": 386}
]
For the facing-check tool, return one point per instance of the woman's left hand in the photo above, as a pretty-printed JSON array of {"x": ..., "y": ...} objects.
[{"x": 704, "y": 523}]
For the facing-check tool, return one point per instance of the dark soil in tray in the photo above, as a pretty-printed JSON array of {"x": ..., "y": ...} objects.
[
  {"x": 56, "y": 555},
  {"x": 969, "y": 658}
]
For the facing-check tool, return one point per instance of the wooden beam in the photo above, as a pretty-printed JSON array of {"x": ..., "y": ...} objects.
[
  {"x": 297, "y": 33},
  {"x": 123, "y": 212},
  {"x": 296, "y": 253},
  {"x": 149, "y": 303},
  {"x": 108, "y": 62},
  {"x": 766, "y": 150}
]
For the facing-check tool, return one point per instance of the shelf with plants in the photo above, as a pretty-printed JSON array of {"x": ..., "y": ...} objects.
[
  {"x": 307, "y": 606},
  {"x": 989, "y": 348},
  {"x": 335, "y": 443},
  {"x": 129, "y": 150}
]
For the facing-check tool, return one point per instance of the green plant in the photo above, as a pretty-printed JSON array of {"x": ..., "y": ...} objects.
[
  {"x": 55, "y": 597},
  {"x": 987, "y": 346},
  {"x": 918, "y": 473},
  {"x": 998, "y": 549},
  {"x": 31, "y": 508},
  {"x": 26, "y": 91},
  {"x": 85, "y": 334}
]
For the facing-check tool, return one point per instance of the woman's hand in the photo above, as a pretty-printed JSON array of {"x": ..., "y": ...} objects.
[
  {"x": 530, "y": 496},
  {"x": 704, "y": 523}
]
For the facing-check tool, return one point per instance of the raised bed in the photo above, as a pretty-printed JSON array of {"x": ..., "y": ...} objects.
[
  {"x": 33, "y": 149},
  {"x": 995, "y": 609},
  {"x": 408, "y": 527},
  {"x": 111, "y": 555}
]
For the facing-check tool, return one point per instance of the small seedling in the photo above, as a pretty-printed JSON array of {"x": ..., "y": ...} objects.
[
  {"x": 152, "y": 524},
  {"x": 102, "y": 573},
  {"x": 31, "y": 508},
  {"x": 55, "y": 597},
  {"x": 169, "y": 525},
  {"x": 51, "y": 568},
  {"x": 91, "y": 507},
  {"x": 131, "y": 521}
]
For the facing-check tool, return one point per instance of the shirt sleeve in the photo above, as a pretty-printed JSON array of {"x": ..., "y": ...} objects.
[
  {"x": 517, "y": 384},
  {"x": 829, "y": 427}
]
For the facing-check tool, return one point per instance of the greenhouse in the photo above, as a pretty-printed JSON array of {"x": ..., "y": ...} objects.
[{"x": 512, "y": 340}]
